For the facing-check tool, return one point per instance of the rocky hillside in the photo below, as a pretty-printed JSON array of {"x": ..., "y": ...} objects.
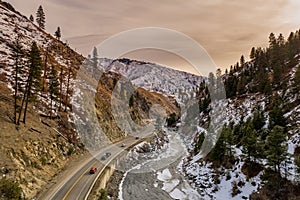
[
  {"x": 256, "y": 155},
  {"x": 139, "y": 103},
  {"x": 32, "y": 153},
  {"x": 154, "y": 77}
]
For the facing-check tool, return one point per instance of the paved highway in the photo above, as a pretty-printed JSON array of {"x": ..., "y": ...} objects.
[{"x": 78, "y": 185}]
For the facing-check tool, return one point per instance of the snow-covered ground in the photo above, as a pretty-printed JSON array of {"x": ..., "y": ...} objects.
[
  {"x": 14, "y": 26},
  {"x": 165, "y": 170},
  {"x": 154, "y": 77}
]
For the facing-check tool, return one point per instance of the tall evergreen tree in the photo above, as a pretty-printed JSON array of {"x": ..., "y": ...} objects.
[
  {"x": 31, "y": 18},
  {"x": 58, "y": 33},
  {"x": 241, "y": 86},
  {"x": 275, "y": 57},
  {"x": 40, "y": 17},
  {"x": 242, "y": 61},
  {"x": 17, "y": 55},
  {"x": 272, "y": 41},
  {"x": 280, "y": 40},
  {"x": 218, "y": 152},
  {"x": 33, "y": 83},
  {"x": 231, "y": 86},
  {"x": 249, "y": 142},
  {"x": 277, "y": 149},
  {"x": 276, "y": 114},
  {"x": 258, "y": 119},
  {"x": 252, "y": 53}
]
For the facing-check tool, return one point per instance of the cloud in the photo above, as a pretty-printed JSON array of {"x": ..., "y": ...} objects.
[{"x": 226, "y": 29}]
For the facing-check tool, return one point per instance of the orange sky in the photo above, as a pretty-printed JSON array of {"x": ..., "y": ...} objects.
[{"x": 226, "y": 29}]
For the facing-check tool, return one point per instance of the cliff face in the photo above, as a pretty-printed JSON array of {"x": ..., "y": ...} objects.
[{"x": 138, "y": 103}]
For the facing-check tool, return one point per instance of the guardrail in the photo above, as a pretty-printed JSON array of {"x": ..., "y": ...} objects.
[{"x": 111, "y": 167}]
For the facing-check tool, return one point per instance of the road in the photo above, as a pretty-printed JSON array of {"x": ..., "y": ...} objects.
[{"x": 77, "y": 185}]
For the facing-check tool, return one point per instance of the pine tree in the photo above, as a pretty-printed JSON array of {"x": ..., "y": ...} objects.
[
  {"x": 228, "y": 135},
  {"x": 58, "y": 33},
  {"x": 249, "y": 142},
  {"x": 231, "y": 86},
  {"x": 252, "y": 53},
  {"x": 276, "y": 115},
  {"x": 218, "y": 152},
  {"x": 40, "y": 17},
  {"x": 282, "y": 50},
  {"x": 268, "y": 87},
  {"x": 53, "y": 88},
  {"x": 241, "y": 86},
  {"x": 276, "y": 152},
  {"x": 272, "y": 41},
  {"x": 276, "y": 59},
  {"x": 17, "y": 55},
  {"x": 258, "y": 119},
  {"x": 242, "y": 61},
  {"x": 231, "y": 70},
  {"x": 31, "y": 18},
  {"x": 33, "y": 83}
]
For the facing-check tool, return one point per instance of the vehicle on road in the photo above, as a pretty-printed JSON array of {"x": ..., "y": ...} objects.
[
  {"x": 93, "y": 170},
  {"x": 123, "y": 145},
  {"x": 137, "y": 137},
  {"x": 105, "y": 156}
]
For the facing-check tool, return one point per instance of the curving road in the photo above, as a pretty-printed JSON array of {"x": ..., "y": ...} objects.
[{"x": 78, "y": 185}]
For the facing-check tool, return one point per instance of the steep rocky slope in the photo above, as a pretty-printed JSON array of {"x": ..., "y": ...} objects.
[
  {"x": 32, "y": 153},
  {"x": 233, "y": 171},
  {"x": 151, "y": 76},
  {"x": 139, "y": 105}
]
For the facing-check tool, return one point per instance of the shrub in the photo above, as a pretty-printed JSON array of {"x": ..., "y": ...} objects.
[
  {"x": 43, "y": 160},
  {"x": 102, "y": 195},
  {"x": 10, "y": 190}
]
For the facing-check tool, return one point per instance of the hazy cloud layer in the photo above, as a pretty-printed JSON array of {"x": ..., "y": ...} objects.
[{"x": 226, "y": 29}]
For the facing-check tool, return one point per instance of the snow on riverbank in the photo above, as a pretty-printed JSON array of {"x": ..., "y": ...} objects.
[{"x": 164, "y": 167}]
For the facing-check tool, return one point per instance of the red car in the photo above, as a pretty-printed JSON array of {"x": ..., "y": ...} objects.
[{"x": 93, "y": 170}]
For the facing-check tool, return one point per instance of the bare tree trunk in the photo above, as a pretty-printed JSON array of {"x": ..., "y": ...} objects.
[
  {"x": 68, "y": 85},
  {"x": 50, "y": 107},
  {"x": 26, "y": 105},
  {"x": 60, "y": 88},
  {"x": 16, "y": 92},
  {"x": 22, "y": 104},
  {"x": 45, "y": 70}
]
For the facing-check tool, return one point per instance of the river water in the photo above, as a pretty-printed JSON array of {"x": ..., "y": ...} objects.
[{"x": 159, "y": 177}]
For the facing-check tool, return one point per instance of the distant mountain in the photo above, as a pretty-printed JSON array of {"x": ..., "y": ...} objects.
[{"x": 153, "y": 77}]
